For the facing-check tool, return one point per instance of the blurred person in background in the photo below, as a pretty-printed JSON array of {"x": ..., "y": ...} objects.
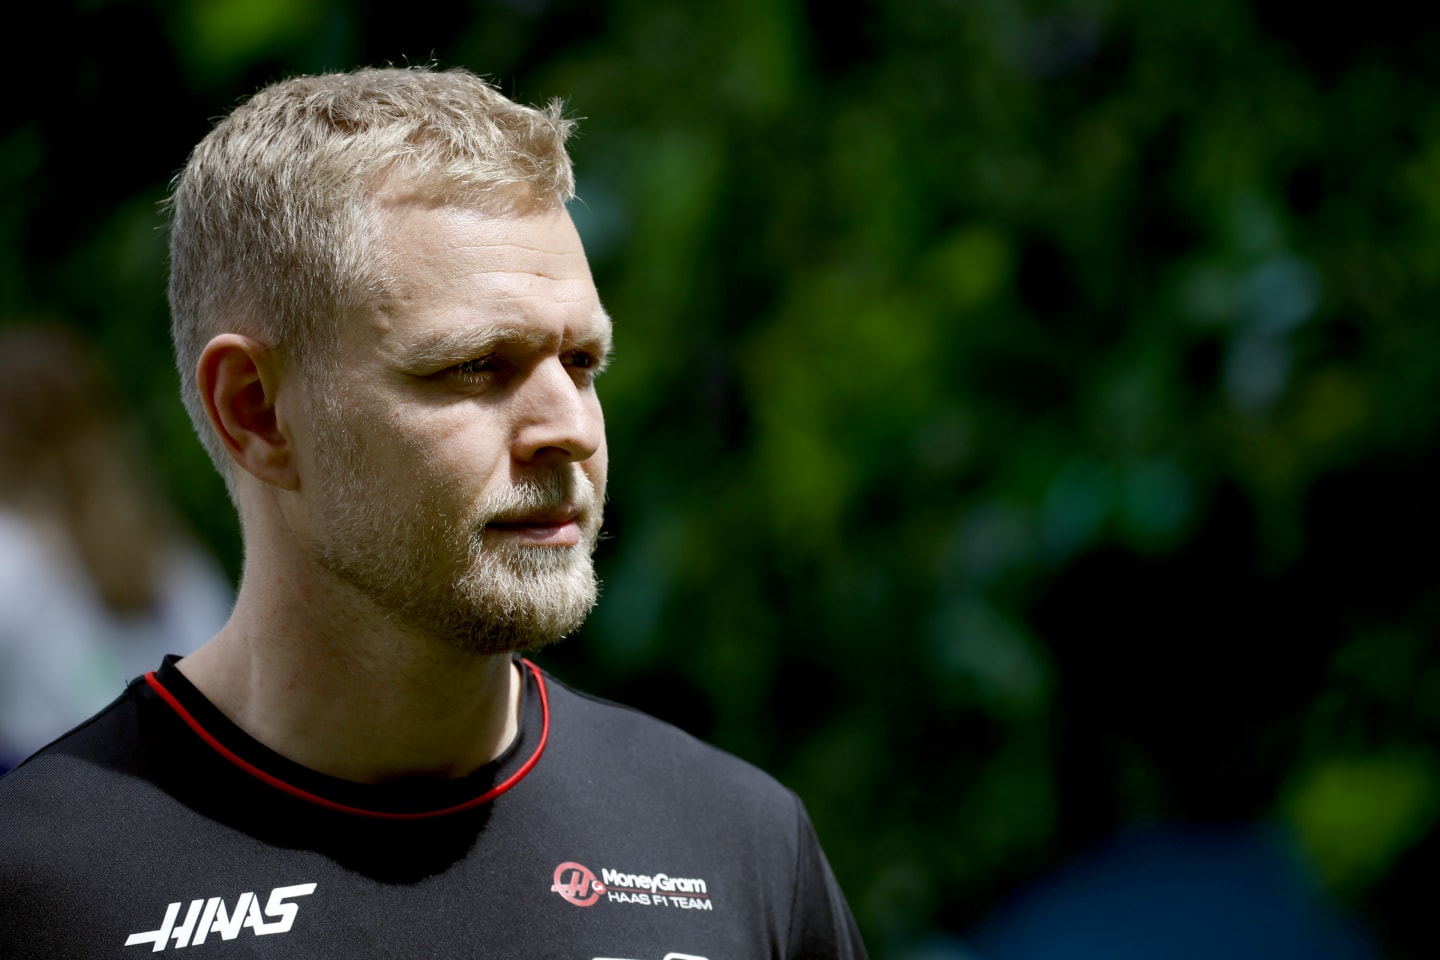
[{"x": 97, "y": 581}]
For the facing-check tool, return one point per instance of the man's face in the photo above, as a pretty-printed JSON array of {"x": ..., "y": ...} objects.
[{"x": 457, "y": 464}]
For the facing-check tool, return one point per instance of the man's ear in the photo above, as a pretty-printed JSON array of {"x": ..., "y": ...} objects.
[{"x": 238, "y": 379}]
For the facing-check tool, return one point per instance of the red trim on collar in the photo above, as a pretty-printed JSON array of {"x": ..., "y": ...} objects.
[{"x": 309, "y": 797}]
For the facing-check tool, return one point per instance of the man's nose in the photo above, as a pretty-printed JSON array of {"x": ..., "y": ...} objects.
[{"x": 559, "y": 415}]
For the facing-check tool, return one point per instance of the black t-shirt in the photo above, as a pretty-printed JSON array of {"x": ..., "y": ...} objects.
[{"x": 600, "y": 833}]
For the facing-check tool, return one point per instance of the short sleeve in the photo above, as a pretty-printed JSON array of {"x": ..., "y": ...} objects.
[{"x": 821, "y": 925}]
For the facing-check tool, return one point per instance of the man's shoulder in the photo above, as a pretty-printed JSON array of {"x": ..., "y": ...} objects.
[
  {"x": 631, "y": 749},
  {"x": 71, "y": 804},
  {"x": 656, "y": 795},
  {"x": 79, "y": 763}
]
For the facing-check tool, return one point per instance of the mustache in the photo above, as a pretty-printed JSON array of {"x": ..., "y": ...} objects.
[{"x": 554, "y": 492}]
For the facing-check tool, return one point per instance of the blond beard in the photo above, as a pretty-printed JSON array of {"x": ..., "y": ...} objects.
[{"x": 436, "y": 574}]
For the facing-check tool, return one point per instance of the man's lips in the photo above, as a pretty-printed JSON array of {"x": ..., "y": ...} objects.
[{"x": 551, "y": 527}]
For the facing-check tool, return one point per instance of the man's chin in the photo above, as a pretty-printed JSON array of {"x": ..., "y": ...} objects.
[
  {"x": 502, "y": 608},
  {"x": 488, "y": 635}
]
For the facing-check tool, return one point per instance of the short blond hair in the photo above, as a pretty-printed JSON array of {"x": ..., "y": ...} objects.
[{"x": 274, "y": 221}]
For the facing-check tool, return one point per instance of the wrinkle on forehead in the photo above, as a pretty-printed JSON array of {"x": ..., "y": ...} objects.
[{"x": 509, "y": 255}]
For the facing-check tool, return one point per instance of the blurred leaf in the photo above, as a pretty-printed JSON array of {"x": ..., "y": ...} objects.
[{"x": 1355, "y": 816}]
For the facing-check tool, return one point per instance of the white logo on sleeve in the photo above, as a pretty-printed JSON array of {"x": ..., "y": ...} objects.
[{"x": 212, "y": 916}]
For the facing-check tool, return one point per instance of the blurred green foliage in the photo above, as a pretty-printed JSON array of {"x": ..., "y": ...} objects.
[{"x": 1024, "y": 413}]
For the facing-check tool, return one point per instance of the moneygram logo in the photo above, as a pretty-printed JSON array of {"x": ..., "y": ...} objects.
[{"x": 577, "y": 884}]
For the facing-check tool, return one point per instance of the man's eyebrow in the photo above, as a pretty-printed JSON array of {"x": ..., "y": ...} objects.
[
  {"x": 600, "y": 332},
  {"x": 460, "y": 345},
  {"x": 457, "y": 346}
]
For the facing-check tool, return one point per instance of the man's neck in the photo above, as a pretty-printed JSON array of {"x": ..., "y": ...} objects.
[{"x": 355, "y": 696}]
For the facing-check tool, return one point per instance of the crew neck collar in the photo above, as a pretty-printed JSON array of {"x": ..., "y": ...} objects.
[{"x": 406, "y": 800}]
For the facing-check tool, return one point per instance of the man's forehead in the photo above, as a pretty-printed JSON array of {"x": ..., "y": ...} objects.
[
  {"x": 399, "y": 203},
  {"x": 457, "y": 272},
  {"x": 424, "y": 242}
]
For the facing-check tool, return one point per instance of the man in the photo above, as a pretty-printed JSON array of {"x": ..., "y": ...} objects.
[{"x": 388, "y": 338}]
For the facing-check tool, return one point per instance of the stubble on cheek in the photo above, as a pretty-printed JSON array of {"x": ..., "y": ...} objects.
[{"x": 418, "y": 549}]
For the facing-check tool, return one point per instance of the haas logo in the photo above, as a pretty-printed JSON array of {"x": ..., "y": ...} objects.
[
  {"x": 205, "y": 917},
  {"x": 577, "y": 884}
]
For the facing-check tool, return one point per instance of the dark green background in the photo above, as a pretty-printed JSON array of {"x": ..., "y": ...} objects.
[{"x": 1024, "y": 415}]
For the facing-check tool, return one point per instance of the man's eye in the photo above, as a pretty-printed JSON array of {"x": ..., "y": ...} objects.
[
  {"x": 480, "y": 365},
  {"x": 591, "y": 363}
]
